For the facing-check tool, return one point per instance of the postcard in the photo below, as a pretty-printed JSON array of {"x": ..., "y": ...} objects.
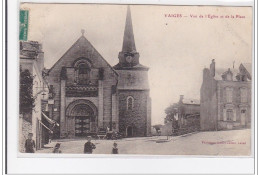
[{"x": 135, "y": 79}]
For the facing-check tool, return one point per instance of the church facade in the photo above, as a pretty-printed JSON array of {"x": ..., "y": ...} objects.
[{"x": 87, "y": 94}]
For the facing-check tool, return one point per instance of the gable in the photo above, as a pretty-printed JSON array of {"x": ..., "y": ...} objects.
[
  {"x": 246, "y": 69},
  {"x": 82, "y": 48}
]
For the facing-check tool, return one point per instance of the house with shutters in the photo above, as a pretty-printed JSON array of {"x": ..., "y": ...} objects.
[
  {"x": 32, "y": 65},
  {"x": 89, "y": 95},
  {"x": 225, "y": 97}
]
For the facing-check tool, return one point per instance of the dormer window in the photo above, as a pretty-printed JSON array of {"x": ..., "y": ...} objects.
[
  {"x": 129, "y": 103},
  {"x": 229, "y": 77}
]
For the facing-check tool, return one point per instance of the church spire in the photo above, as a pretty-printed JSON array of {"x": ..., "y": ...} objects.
[
  {"x": 128, "y": 57},
  {"x": 129, "y": 41}
]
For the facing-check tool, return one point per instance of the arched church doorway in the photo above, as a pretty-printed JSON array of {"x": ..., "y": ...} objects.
[
  {"x": 81, "y": 118},
  {"x": 84, "y": 117},
  {"x": 130, "y": 131}
]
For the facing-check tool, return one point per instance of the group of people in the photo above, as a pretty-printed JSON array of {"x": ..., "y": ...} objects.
[{"x": 88, "y": 146}]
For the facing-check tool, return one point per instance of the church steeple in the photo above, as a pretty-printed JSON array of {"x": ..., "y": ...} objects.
[
  {"x": 128, "y": 57},
  {"x": 129, "y": 40}
]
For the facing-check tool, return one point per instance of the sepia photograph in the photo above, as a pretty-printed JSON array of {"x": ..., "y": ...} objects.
[{"x": 135, "y": 80}]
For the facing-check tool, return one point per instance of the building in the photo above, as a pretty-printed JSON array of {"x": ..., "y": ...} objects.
[
  {"x": 226, "y": 98},
  {"x": 184, "y": 116},
  {"x": 89, "y": 95},
  {"x": 31, "y": 60}
]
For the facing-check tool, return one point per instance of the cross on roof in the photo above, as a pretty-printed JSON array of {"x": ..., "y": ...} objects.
[{"x": 82, "y": 31}]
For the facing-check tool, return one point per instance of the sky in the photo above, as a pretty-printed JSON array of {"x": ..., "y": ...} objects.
[{"x": 175, "y": 45}]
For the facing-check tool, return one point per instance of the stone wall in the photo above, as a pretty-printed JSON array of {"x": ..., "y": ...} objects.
[
  {"x": 25, "y": 128},
  {"x": 109, "y": 82},
  {"x": 137, "y": 118},
  {"x": 208, "y": 102}
]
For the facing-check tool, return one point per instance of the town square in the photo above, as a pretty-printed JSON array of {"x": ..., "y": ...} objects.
[{"x": 191, "y": 144}]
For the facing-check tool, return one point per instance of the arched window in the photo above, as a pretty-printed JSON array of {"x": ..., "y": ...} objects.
[
  {"x": 83, "y": 73},
  {"x": 82, "y": 70},
  {"x": 129, "y": 103}
]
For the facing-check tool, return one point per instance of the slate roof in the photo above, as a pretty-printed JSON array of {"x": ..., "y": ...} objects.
[
  {"x": 248, "y": 67},
  {"x": 191, "y": 101},
  {"x": 220, "y": 71}
]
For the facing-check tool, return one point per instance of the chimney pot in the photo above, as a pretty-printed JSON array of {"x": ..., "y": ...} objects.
[{"x": 212, "y": 68}]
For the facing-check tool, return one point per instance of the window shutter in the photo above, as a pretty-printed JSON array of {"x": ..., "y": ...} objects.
[{"x": 224, "y": 115}]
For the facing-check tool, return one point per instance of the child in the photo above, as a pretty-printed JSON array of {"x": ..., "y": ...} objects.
[
  {"x": 115, "y": 149},
  {"x": 57, "y": 148},
  {"x": 88, "y": 147},
  {"x": 29, "y": 144}
]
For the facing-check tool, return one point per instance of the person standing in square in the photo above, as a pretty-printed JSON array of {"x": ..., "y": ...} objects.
[
  {"x": 30, "y": 144},
  {"x": 89, "y": 146},
  {"x": 115, "y": 149}
]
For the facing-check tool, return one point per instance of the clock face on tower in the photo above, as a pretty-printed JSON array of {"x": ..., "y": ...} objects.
[{"x": 129, "y": 59}]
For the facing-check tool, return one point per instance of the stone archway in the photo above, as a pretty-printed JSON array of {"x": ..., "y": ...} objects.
[{"x": 81, "y": 118}]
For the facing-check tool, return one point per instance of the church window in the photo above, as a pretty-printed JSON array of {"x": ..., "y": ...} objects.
[
  {"x": 82, "y": 70},
  {"x": 83, "y": 73},
  {"x": 229, "y": 94},
  {"x": 130, "y": 103},
  {"x": 243, "y": 93}
]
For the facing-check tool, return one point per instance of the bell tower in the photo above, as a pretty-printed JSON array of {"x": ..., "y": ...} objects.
[{"x": 134, "y": 102}]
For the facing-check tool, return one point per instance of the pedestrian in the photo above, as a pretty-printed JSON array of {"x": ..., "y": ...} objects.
[
  {"x": 89, "y": 146},
  {"x": 29, "y": 144},
  {"x": 50, "y": 136},
  {"x": 57, "y": 148},
  {"x": 115, "y": 149}
]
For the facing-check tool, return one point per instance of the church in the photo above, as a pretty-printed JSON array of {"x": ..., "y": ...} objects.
[{"x": 88, "y": 95}]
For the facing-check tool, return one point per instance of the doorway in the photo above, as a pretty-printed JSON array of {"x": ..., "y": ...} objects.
[
  {"x": 129, "y": 131},
  {"x": 82, "y": 125},
  {"x": 243, "y": 117}
]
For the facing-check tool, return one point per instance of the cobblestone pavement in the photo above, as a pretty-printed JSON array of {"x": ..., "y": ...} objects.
[{"x": 228, "y": 143}]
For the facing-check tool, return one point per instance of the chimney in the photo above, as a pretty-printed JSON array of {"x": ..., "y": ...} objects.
[{"x": 212, "y": 68}]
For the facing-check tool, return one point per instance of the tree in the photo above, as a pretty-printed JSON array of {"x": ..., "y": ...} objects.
[
  {"x": 26, "y": 93},
  {"x": 170, "y": 112}
]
